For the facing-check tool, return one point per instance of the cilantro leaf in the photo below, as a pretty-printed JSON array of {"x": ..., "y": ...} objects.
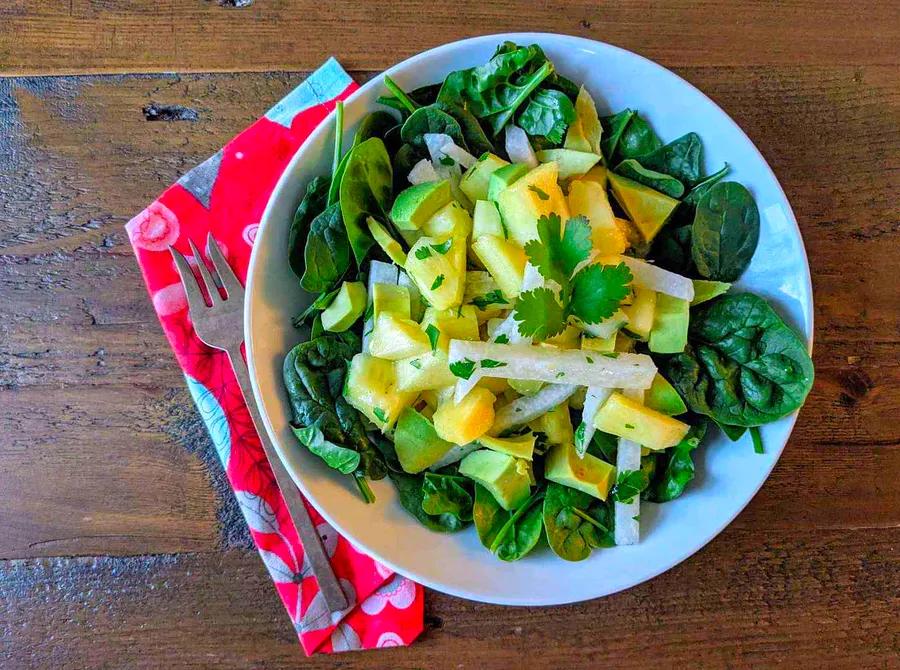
[
  {"x": 379, "y": 414},
  {"x": 597, "y": 291},
  {"x": 444, "y": 247},
  {"x": 540, "y": 193},
  {"x": 555, "y": 253},
  {"x": 502, "y": 338},
  {"x": 629, "y": 484},
  {"x": 491, "y": 363},
  {"x": 539, "y": 314},
  {"x": 433, "y": 334},
  {"x": 436, "y": 284},
  {"x": 416, "y": 363},
  {"x": 422, "y": 253},
  {"x": 463, "y": 368},
  {"x": 576, "y": 243},
  {"x": 494, "y": 297}
]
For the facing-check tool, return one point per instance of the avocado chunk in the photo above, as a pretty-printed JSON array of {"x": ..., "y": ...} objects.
[
  {"x": 648, "y": 209},
  {"x": 414, "y": 206},
  {"x": 438, "y": 267},
  {"x": 388, "y": 244},
  {"x": 371, "y": 389},
  {"x": 707, "y": 289},
  {"x": 520, "y": 446},
  {"x": 571, "y": 163},
  {"x": 588, "y": 474},
  {"x": 663, "y": 397},
  {"x": 633, "y": 421},
  {"x": 503, "y": 475},
  {"x": 476, "y": 179},
  {"x": 529, "y": 198},
  {"x": 348, "y": 305},
  {"x": 670, "y": 325},
  {"x": 417, "y": 443},
  {"x": 504, "y": 178},
  {"x": 640, "y": 312},
  {"x": 451, "y": 219},
  {"x": 486, "y": 220}
]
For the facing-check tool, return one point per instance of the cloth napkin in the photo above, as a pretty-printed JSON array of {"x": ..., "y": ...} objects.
[{"x": 226, "y": 195}]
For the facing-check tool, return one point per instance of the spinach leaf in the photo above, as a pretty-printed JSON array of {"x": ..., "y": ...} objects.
[
  {"x": 422, "y": 96},
  {"x": 548, "y": 114},
  {"x": 658, "y": 181},
  {"x": 629, "y": 484},
  {"x": 314, "y": 201},
  {"x": 335, "y": 189},
  {"x": 366, "y": 190},
  {"x": 376, "y": 124},
  {"x": 681, "y": 158},
  {"x": 675, "y": 467},
  {"x": 613, "y": 127},
  {"x": 447, "y": 494},
  {"x": 733, "y": 433},
  {"x": 495, "y": 91},
  {"x": 725, "y": 232},
  {"x": 697, "y": 193},
  {"x": 575, "y": 522},
  {"x": 404, "y": 160},
  {"x": 342, "y": 459},
  {"x": 327, "y": 253},
  {"x": 604, "y": 446},
  {"x": 476, "y": 141},
  {"x": 521, "y": 532},
  {"x": 672, "y": 248},
  {"x": 430, "y": 120},
  {"x": 743, "y": 365},
  {"x": 637, "y": 139},
  {"x": 410, "y": 491}
]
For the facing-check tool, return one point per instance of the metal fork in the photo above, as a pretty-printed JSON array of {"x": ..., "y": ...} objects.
[{"x": 221, "y": 325}]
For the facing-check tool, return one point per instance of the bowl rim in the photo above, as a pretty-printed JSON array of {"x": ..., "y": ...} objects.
[{"x": 324, "y": 127}]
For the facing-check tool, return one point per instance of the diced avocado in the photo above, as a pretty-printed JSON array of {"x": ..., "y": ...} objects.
[
  {"x": 583, "y": 473},
  {"x": 525, "y": 386},
  {"x": 500, "y": 474},
  {"x": 535, "y": 195},
  {"x": 571, "y": 163},
  {"x": 453, "y": 324},
  {"x": 648, "y": 209},
  {"x": 417, "y": 443},
  {"x": 640, "y": 312},
  {"x": 371, "y": 389},
  {"x": 416, "y": 307},
  {"x": 520, "y": 446},
  {"x": 555, "y": 424},
  {"x": 588, "y": 198},
  {"x": 466, "y": 420},
  {"x": 663, "y": 397},
  {"x": 504, "y": 260},
  {"x": 425, "y": 372},
  {"x": 486, "y": 220},
  {"x": 388, "y": 244},
  {"x": 706, "y": 289},
  {"x": 633, "y": 421},
  {"x": 348, "y": 305},
  {"x": 394, "y": 338},
  {"x": 452, "y": 219},
  {"x": 474, "y": 182},
  {"x": 390, "y": 298},
  {"x": 670, "y": 325},
  {"x": 414, "y": 206},
  {"x": 504, "y": 178},
  {"x": 438, "y": 267}
]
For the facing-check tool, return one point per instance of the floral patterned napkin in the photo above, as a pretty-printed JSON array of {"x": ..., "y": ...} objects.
[{"x": 226, "y": 195}]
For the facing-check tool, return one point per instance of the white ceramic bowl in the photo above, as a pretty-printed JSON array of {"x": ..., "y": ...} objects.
[{"x": 728, "y": 474}]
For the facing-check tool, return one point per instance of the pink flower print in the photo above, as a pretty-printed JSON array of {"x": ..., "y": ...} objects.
[
  {"x": 399, "y": 592},
  {"x": 249, "y": 234},
  {"x": 382, "y": 570},
  {"x": 389, "y": 639},
  {"x": 170, "y": 299},
  {"x": 154, "y": 229}
]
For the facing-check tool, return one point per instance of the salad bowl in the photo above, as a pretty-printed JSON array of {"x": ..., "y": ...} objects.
[{"x": 728, "y": 473}]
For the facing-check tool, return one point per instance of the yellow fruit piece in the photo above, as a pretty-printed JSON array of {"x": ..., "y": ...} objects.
[
  {"x": 629, "y": 419},
  {"x": 555, "y": 424},
  {"x": 454, "y": 324},
  {"x": 504, "y": 260},
  {"x": 468, "y": 420},
  {"x": 532, "y": 196},
  {"x": 641, "y": 312},
  {"x": 588, "y": 198},
  {"x": 424, "y": 372},
  {"x": 394, "y": 338},
  {"x": 371, "y": 389}
]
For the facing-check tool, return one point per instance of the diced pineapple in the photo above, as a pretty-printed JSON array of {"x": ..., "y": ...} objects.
[
  {"x": 453, "y": 324},
  {"x": 394, "y": 338},
  {"x": 486, "y": 220},
  {"x": 451, "y": 219},
  {"x": 568, "y": 339},
  {"x": 640, "y": 312},
  {"x": 437, "y": 265},
  {"x": 535, "y": 195},
  {"x": 495, "y": 385},
  {"x": 601, "y": 344},
  {"x": 371, "y": 389},
  {"x": 468, "y": 420},
  {"x": 631, "y": 420},
  {"x": 390, "y": 298},
  {"x": 504, "y": 260},
  {"x": 484, "y": 293},
  {"x": 588, "y": 198},
  {"x": 555, "y": 424},
  {"x": 424, "y": 372}
]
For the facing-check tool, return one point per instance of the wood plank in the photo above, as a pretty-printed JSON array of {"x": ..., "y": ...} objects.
[
  {"x": 818, "y": 598},
  {"x": 82, "y": 36}
]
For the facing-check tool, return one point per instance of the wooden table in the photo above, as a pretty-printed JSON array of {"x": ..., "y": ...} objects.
[{"x": 120, "y": 546}]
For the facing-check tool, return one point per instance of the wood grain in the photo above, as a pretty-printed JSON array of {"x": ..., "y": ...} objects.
[{"x": 79, "y": 36}]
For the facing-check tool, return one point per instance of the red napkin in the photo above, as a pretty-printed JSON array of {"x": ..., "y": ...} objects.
[{"x": 226, "y": 195}]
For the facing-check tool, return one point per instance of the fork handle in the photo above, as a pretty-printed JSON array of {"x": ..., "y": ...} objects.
[{"x": 312, "y": 543}]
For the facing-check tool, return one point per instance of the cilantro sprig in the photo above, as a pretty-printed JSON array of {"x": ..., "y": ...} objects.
[{"x": 591, "y": 294}]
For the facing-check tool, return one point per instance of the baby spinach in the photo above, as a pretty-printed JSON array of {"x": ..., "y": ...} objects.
[
  {"x": 658, "y": 181},
  {"x": 575, "y": 522},
  {"x": 476, "y": 141},
  {"x": 403, "y": 161},
  {"x": 430, "y": 120},
  {"x": 411, "y": 493},
  {"x": 637, "y": 139},
  {"x": 548, "y": 113},
  {"x": 725, "y": 232},
  {"x": 675, "y": 467},
  {"x": 377, "y": 124},
  {"x": 697, "y": 193},
  {"x": 366, "y": 190},
  {"x": 340, "y": 458},
  {"x": 327, "y": 253},
  {"x": 672, "y": 248},
  {"x": 629, "y": 484},
  {"x": 743, "y": 365},
  {"x": 681, "y": 158},
  {"x": 314, "y": 201},
  {"x": 422, "y": 96},
  {"x": 613, "y": 127},
  {"x": 335, "y": 189},
  {"x": 447, "y": 494},
  {"x": 521, "y": 532},
  {"x": 733, "y": 433}
]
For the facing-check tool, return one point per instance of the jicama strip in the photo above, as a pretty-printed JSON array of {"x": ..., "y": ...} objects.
[
  {"x": 422, "y": 172},
  {"x": 459, "y": 154},
  {"x": 456, "y": 453},
  {"x": 647, "y": 275},
  {"x": 527, "y": 408},
  {"x": 607, "y": 327},
  {"x": 595, "y": 396},
  {"x": 379, "y": 273},
  {"x": 627, "y": 515},
  {"x": 518, "y": 147},
  {"x": 435, "y": 142},
  {"x": 554, "y": 366}
]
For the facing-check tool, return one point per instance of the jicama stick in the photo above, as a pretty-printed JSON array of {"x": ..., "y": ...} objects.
[
  {"x": 627, "y": 515},
  {"x": 527, "y": 408},
  {"x": 379, "y": 273}
]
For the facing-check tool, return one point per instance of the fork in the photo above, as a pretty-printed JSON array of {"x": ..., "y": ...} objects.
[{"x": 221, "y": 326}]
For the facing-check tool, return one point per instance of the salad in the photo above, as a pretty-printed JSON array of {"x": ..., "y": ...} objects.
[{"x": 523, "y": 312}]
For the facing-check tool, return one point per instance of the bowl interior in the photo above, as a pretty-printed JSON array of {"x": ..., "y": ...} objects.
[{"x": 728, "y": 474}]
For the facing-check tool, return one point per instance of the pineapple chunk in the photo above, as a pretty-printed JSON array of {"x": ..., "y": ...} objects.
[
  {"x": 504, "y": 260},
  {"x": 556, "y": 425},
  {"x": 632, "y": 421},
  {"x": 588, "y": 198},
  {"x": 454, "y": 324},
  {"x": 451, "y": 219},
  {"x": 371, "y": 389},
  {"x": 424, "y": 372},
  {"x": 468, "y": 420},
  {"x": 437, "y": 265},
  {"x": 395, "y": 337},
  {"x": 641, "y": 312},
  {"x": 532, "y": 196}
]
